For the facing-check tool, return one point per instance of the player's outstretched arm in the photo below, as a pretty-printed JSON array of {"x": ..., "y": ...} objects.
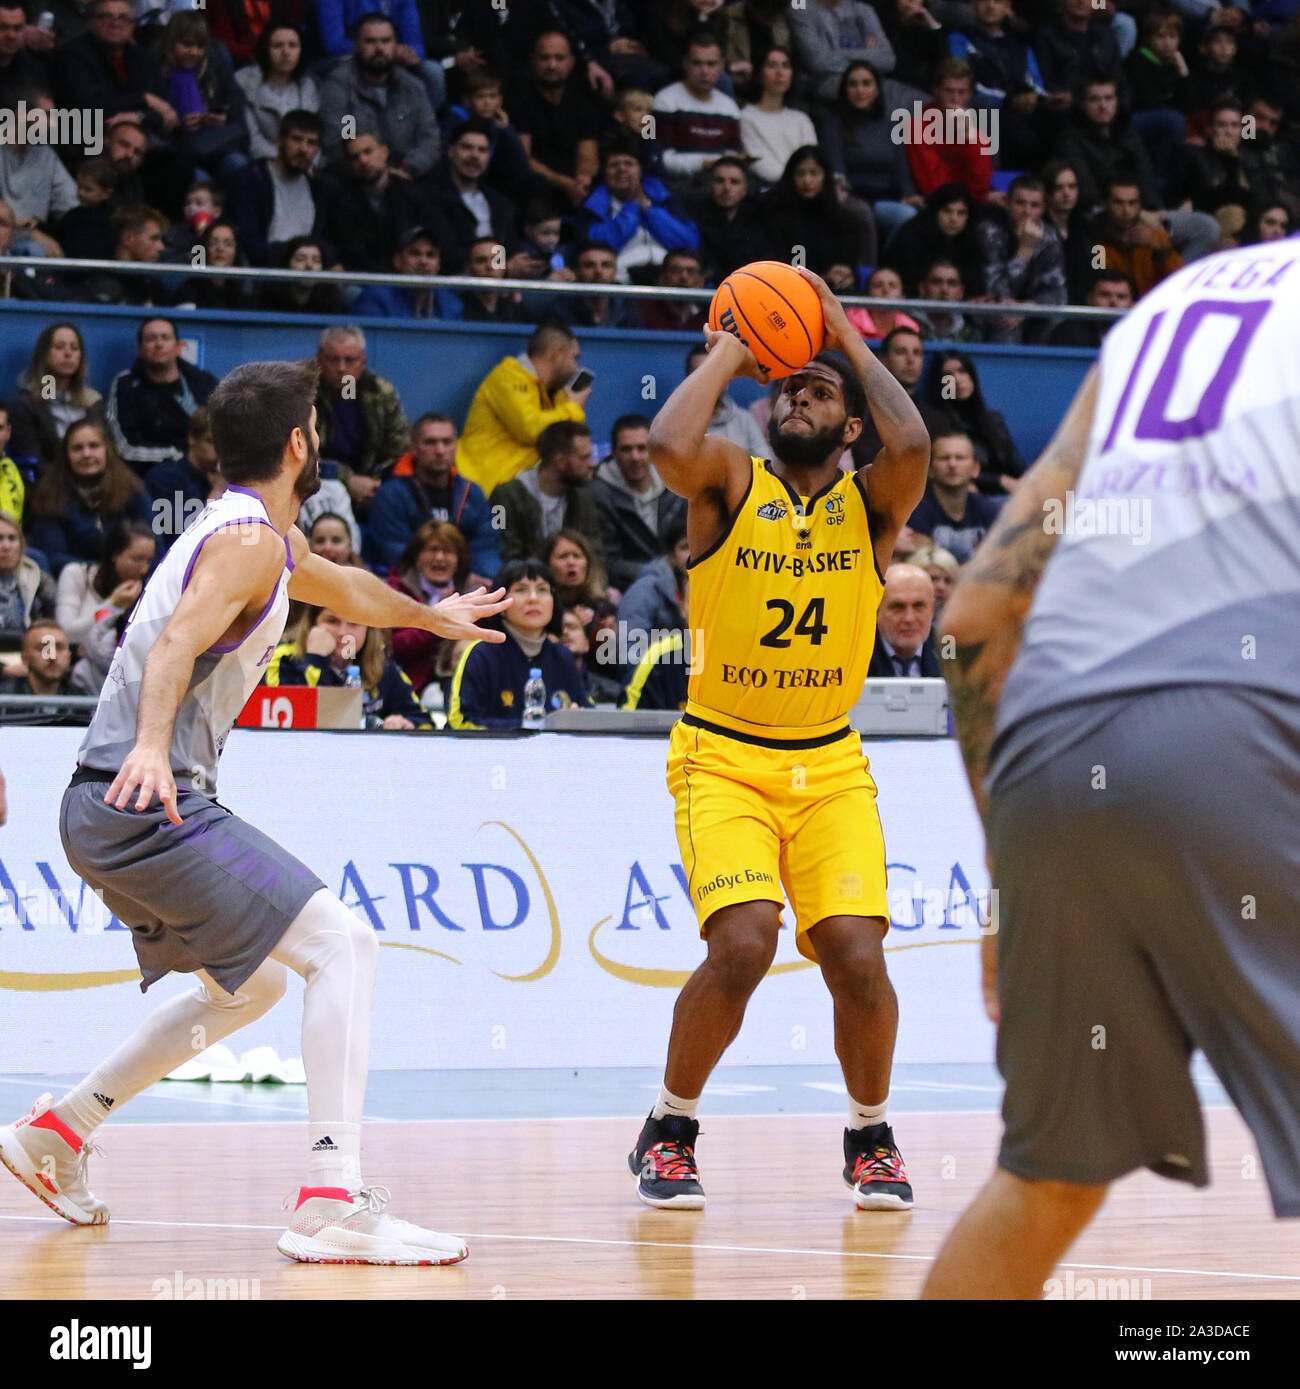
[
  {"x": 979, "y": 634},
  {"x": 359, "y": 596},
  {"x": 236, "y": 568}
]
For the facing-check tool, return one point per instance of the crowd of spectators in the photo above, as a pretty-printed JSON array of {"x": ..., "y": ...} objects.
[
  {"x": 1044, "y": 153},
  {"x": 1027, "y": 145},
  {"x": 98, "y": 488}
]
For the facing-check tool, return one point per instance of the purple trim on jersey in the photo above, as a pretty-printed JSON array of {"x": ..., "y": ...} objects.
[
  {"x": 234, "y": 521},
  {"x": 288, "y": 555},
  {"x": 247, "y": 491},
  {"x": 228, "y": 647},
  {"x": 235, "y": 645}
]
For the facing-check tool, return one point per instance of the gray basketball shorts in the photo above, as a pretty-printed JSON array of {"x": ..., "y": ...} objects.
[
  {"x": 1147, "y": 861},
  {"x": 211, "y": 893}
]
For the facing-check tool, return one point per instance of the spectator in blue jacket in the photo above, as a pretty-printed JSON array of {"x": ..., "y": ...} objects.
[
  {"x": 487, "y": 690},
  {"x": 417, "y": 254},
  {"x": 338, "y": 20},
  {"x": 635, "y": 214},
  {"x": 81, "y": 496},
  {"x": 1004, "y": 66},
  {"x": 329, "y": 647},
  {"x": 425, "y": 486},
  {"x": 1007, "y": 79}
]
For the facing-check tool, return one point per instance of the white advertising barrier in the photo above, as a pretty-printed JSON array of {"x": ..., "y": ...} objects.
[{"x": 528, "y": 896}]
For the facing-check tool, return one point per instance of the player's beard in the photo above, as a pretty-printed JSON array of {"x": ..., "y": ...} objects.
[
  {"x": 307, "y": 483},
  {"x": 806, "y": 450}
]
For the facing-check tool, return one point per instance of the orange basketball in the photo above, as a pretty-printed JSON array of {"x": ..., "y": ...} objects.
[{"x": 774, "y": 311}]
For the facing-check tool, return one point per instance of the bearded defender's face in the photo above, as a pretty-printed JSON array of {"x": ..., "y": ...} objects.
[{"x": 307, "y": 483}]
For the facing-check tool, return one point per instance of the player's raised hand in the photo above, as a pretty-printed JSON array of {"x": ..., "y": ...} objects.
[
  {"x": 151, "y": 772},
  {"x": 838, "y": 328},
  {"x": 746, "y": 364},
  {"x": 459, "y": 615}
]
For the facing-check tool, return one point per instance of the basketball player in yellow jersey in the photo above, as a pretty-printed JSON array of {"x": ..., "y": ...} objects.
[{"x": 770, "y": 781}]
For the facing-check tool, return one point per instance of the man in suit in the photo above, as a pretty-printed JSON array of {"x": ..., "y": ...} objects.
[{"x": 903, "y": 645}]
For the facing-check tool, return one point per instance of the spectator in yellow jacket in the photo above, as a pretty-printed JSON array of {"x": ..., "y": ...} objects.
[
  {"x": 515, "y": 401},
  {"x": 12, "y": 489}
]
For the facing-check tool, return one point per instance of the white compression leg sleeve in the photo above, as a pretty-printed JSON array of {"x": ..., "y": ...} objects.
[
  {"x": 174, "y": 1033},
  {"x": 337, "y": 956}
]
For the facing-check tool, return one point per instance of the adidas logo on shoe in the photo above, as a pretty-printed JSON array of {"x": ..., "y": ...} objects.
[
  {"x": 325, "y": 1145},
  {"x": 103, "y": 1099}
]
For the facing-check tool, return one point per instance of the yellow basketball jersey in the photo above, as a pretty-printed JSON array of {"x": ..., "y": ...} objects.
[{"x": 783, "y": 609}]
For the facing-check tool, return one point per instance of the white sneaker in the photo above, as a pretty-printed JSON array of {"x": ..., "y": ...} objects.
[
  {"x": 50, "y": 1161},
  {"x": 332, "y": 1226}
]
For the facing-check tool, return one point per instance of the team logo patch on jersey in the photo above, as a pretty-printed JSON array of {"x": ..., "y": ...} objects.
[
  {"x": 772, "y": 511},
  {"x": 508, "y": 698}
]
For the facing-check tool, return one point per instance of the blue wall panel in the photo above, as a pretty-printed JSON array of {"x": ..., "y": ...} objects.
[{"x": 437, "y": 367}]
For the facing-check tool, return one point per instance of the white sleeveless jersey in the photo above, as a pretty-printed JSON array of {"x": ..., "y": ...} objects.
[
  {"x": 224, "y": 676},
  {"x": 1179, "y": 553}
]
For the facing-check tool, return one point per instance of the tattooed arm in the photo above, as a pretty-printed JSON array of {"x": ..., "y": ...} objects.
[{"x": 986, "y": 612}]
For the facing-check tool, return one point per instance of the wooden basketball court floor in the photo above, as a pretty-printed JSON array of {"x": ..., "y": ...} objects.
[{"x": 548, "y": 1208}]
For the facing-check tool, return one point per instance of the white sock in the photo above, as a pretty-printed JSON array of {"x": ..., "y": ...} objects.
[
  {"x": 334, "y": 1158},
  {"x": 669, "y": 1104},
  {"x": 337, "y": 955},
  {"x": 865, "y": 1116},
  {"x": 165, "y": 1040},
  {"x": 87, "y": 1105}
]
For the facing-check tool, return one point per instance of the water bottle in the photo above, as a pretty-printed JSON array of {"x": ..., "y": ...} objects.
[
  {"x": 353, "y": 682},
  {"x": 534, "y": 700}
]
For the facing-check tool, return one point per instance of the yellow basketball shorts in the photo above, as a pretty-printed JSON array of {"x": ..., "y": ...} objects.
[{"x": 753, "y": 818}]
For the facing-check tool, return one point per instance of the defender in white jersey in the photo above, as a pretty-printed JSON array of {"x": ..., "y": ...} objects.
[
  {"x": 1126, "y": 687},
  {"x": 202, "y": 891}
]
